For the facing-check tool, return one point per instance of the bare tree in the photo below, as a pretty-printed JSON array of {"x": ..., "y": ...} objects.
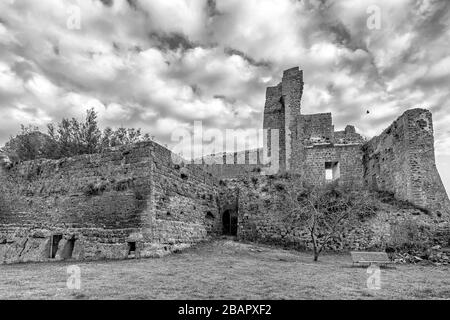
[{"x": 327, "y": 211}]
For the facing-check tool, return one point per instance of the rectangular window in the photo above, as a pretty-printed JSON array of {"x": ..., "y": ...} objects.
[
  {"x": 328, "y": 174},
  {"x": 332, "y": 171}
]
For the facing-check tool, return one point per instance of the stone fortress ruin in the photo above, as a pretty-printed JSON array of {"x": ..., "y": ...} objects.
[{"x": 135, "y": 201}]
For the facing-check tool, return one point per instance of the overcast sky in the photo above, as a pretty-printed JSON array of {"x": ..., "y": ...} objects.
[{"x": 160, "y": 65}]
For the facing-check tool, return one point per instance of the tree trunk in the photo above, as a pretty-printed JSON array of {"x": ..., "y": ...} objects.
[
  {"x": 316, "y": 255},
  {"x": 315, "y": 249}
]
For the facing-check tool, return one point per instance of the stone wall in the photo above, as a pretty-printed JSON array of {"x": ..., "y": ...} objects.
[
  {"x": 318, "y": 148},
  {"x": 292, "y": 92},
  {"x": 348, "y": 160},
  {"x": 100, "y": 203},
  {"x": 274, "y": 119},
  {"x": 401, "y": 160},
  {"x": 232, "y": 165},
  {"x": 136, "y": 198},
  {"x": 315, "y": 128},
  {"x": 264, "y": 210},
  {"x": 348, "y": 136},
  {"x": 281, "y": 111}
]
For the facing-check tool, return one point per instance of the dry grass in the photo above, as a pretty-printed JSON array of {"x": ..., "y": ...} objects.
[{"x": 224, "y": 270}]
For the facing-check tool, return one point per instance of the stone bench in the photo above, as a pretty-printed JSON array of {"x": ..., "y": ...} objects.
[{"x": 368, "y": 258}]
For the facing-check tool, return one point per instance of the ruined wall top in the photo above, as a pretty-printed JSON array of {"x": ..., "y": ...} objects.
[
  {"x": 294, "y": 72},
  {"x": 401, "y": 160}
]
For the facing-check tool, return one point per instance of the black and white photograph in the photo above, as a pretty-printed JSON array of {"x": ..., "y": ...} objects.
[{"x": 240, "y": 152}]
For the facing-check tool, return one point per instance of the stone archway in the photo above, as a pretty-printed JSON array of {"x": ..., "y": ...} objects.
[{"x": 229, "y": 222}]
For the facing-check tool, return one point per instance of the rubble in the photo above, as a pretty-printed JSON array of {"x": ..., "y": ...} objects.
[{"x": 434, "y": 255}]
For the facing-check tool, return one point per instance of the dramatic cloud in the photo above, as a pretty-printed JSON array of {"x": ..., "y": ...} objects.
[{"x": 161, "y": 65}]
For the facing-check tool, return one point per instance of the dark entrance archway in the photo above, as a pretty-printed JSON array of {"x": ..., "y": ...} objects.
[{"x": 230, "y": 222}]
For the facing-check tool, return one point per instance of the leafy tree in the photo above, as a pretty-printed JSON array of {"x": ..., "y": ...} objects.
[
  {"x": 106, "y": 140},
  {"x": 68, "y": 138},
  {"x": 28, "y": 144},
  {"x": 52, "y": 148},
  {"x": 74, "y": 138},
  {"x": 122, "y": 136},
  {"x": 64, "y": 137},
  {"x": 89, "y": 133}
]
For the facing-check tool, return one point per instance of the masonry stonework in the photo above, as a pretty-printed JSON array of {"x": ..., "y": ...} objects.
[
  {"x": 264, "y": 217},
  {"x": 281, "y": 112},
  {"x": 401, "y": 160},
  {"x": 136, "y": 201},
  {"x": 102, "y": 205}
]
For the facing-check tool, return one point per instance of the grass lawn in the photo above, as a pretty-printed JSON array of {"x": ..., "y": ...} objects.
[{"x": 224, "y": 270}]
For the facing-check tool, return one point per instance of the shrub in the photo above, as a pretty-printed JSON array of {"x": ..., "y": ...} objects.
[
  {"x": 389, "y": 198},
  {"x": 279, "y": 186},
  {"x": 409, "y": 234},
  {"x": 68, "y": 138},
  {"x": 95, "y": 189},
  {"x": 138, "y": 195},
  {"x": 123, "y": 184}
]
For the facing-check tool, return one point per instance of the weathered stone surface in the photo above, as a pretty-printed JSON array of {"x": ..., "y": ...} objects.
[
  {"x": 103, "y": 202},
  {"x": 136, "y": 201},
  {"x": 263, "y": 216},
  {"x": 401, "y": 160}
]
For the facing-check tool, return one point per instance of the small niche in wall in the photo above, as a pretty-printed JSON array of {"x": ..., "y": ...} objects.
[
  {"x": 209, "y": 215},
  {"x": 54, "y": 243},
  {"x": 374, "y": 182},
  {"x": 68, "y": 248},
  {"x": 184, "y": 173},
  {"x": 131, "y": 248}
]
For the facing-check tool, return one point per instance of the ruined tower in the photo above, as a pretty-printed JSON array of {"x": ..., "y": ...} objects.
[
  {"x": 281, "y": 112},
  {"x": 400, "y": 160}
]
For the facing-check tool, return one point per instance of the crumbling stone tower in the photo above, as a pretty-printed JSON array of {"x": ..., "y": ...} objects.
[
  {"x": 282, "y": 111},
  {"x": 400, "y": 160}
]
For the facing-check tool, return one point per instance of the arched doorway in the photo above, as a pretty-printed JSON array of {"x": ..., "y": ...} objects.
[{"x": 229, "y": 222}]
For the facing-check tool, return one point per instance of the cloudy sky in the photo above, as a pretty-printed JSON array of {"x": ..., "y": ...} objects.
[{"x": 161, "y": 64}]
